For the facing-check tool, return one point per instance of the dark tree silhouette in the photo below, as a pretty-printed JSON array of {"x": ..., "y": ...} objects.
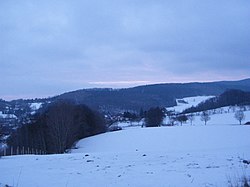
[
  {"x": 58, "y": 128},
  {"x": 154, "y": 117},
  {"x": 1, "y": 130},
  {"x": 182, "y": 118},
  {"x": 129, "y": 115},
  {"x": 62, "y": 129}
]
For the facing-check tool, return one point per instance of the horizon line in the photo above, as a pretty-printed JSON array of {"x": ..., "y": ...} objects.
[{"x": 150, "y": 83}]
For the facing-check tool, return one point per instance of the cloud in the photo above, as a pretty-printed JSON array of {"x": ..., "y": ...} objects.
[{"x": 54, "y": 46}]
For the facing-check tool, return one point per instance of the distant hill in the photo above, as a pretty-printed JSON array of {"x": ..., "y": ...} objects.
[
  {"x": 16, "y": 112},
  {"x": 131, "y": 99},
  {"x": 163, "y": 95}
]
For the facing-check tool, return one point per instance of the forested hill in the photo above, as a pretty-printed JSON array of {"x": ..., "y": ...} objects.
[
  {"x": 147, "y": 96},
  {"x": 228, "y": 98},
  {"x": 118, "y": 100},
  {"x": 141, "y": 97}
]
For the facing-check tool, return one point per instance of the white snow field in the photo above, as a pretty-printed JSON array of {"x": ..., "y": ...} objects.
[
  {"x": 188, "y": 102},
  {"x": 177, "y": 156},
  {"x": 165, "y": 156}
]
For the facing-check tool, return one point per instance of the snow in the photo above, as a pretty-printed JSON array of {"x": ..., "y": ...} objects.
[
  {"x": 128, "y": 124},
  {"x": 35, "y": 106},
  {"x": 220, "y": 116},
  {"x": 165, "y": 156},
  {"x": 223, "y": 119},
  {"x": 167, "y": 138},
  {"x": 7, "y": 115},
  {"x": 190, "y": 101},
  {"x": 190, "y": 156}
]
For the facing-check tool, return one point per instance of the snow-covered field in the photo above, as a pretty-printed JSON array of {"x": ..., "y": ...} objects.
[
  {"x": 219, "y": 116},
  {"x": 167, "y": 156},
  {"x": 186, "y": 156},
  {"x": 188, "y": 102}
]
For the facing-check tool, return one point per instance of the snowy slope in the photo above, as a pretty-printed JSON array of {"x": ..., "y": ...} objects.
[
  {"x": 167, "y": 139},
  {"x": 215, "y": 119},
  {"x": 168, "y": 156},
  {"x": 219, "y": 116},
  {"x": 188, "y": 102}
]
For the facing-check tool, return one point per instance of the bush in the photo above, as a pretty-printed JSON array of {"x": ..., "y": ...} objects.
[{"x": 247, "y": 123}]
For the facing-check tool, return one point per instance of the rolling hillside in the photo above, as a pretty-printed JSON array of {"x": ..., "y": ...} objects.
[
  {"x": 163, "y": 95},
  {"x": 190, "y": 156}
]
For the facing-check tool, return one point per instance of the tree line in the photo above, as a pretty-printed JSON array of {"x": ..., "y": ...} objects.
[{"x": 58, "y": 128}]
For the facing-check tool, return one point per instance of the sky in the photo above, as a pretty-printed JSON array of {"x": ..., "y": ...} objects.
[{"x": 48, "y": 47}]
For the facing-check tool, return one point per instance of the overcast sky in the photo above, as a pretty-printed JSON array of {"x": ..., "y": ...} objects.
[{"x": 51, "y": 46}]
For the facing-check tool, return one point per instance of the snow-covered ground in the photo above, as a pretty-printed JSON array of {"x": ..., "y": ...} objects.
[
  {"x": 190, "y": 156},
  {"x": 219, "y": 116},
  {"x": 188, "y": 102},
  {"x": 167, "y": 156}
]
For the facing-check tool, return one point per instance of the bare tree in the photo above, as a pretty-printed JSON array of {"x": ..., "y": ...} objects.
[
  {"x": 172, "y": 117},
  {"x": 205, "y": 117},
  {"x": 191, "y": 118},
  {"x": 61, "y": 127},
  {"x": 239, "y": 115},
  {"x": 67, "y": 123}
]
